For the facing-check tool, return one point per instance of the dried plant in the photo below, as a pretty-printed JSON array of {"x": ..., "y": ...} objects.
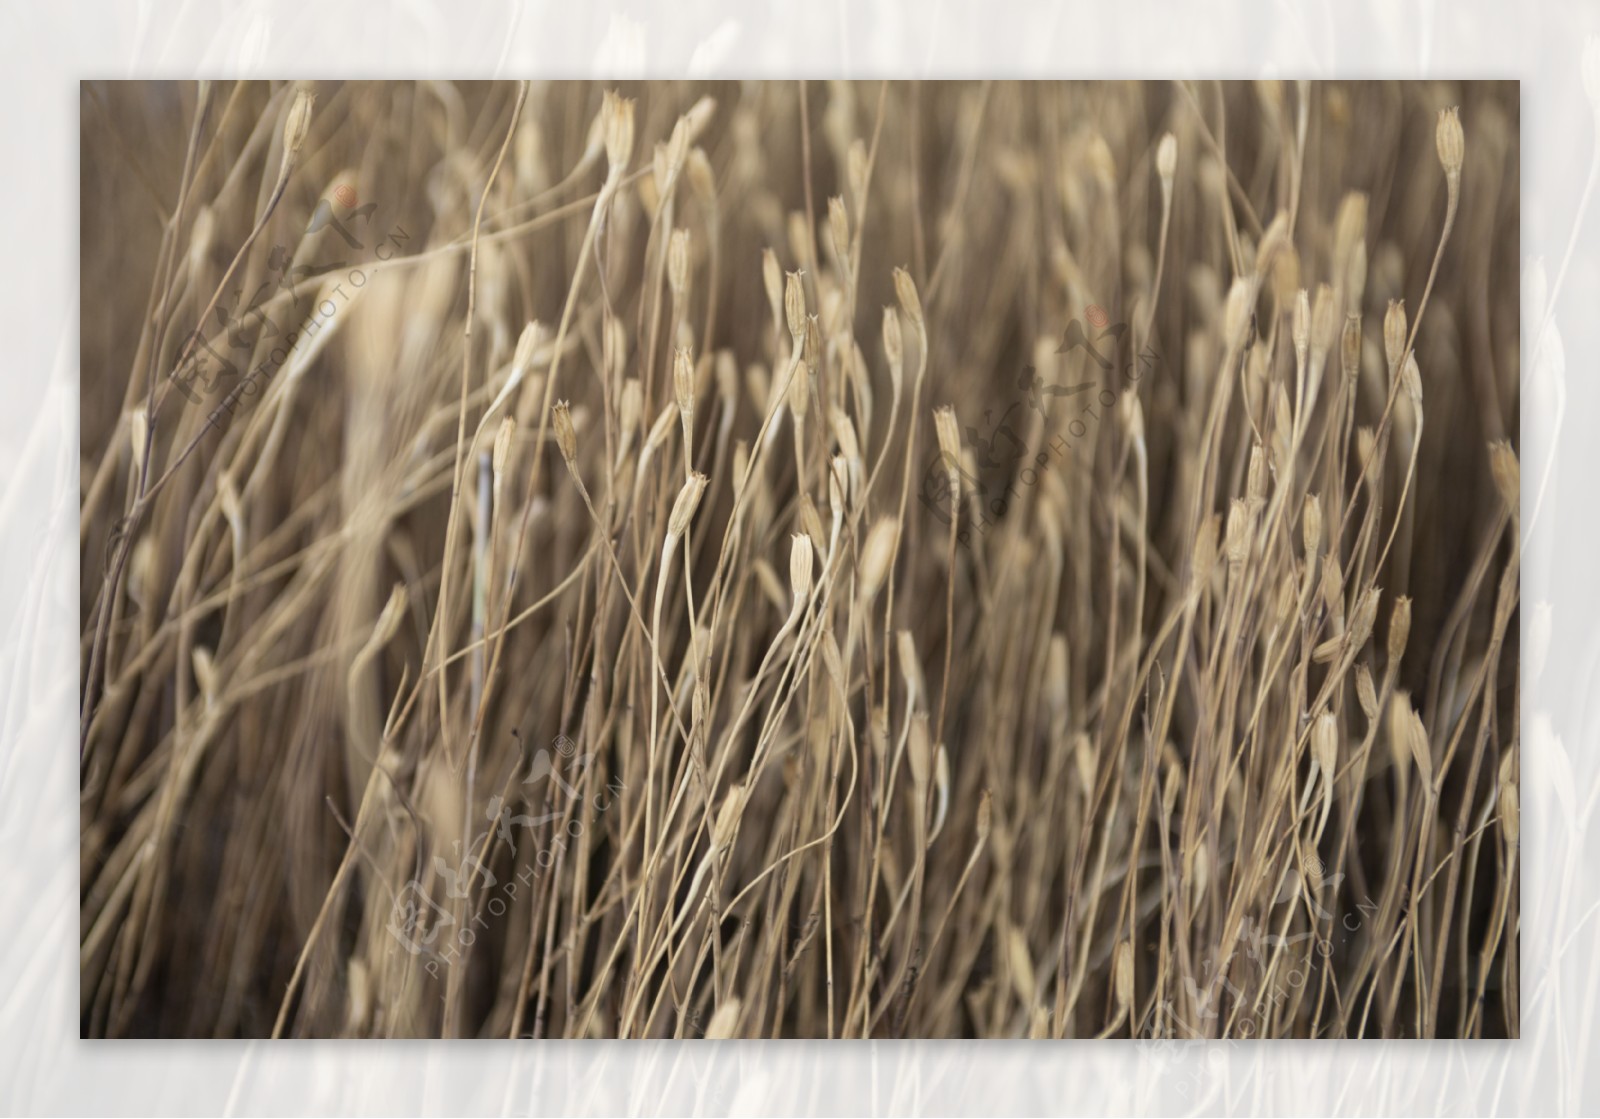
[{"x": 1142, "y": 456}]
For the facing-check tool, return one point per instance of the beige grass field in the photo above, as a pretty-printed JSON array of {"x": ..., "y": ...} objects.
[{"x": 805, "y": 560}]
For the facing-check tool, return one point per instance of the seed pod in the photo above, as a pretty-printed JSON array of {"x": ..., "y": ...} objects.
[
  {"x": 801, "y": 554},
  {"x": 1411, "y": 381},
  {"x": 1322, "y": 325},
  {"x": 1507, "y": 473},
  {"x": 893, "y": 346},
  {"x": 616, "y": 115},
  {"x": 200, "y": 236},
  {"x": 522, "y": 358},
  {"x": 566, "y": 435},
  {"x": 1448, "y": 138},
  {"x": 701, "y": 178},
  {"x": 1311, "y": 526},
  {"x": 1399, "y": 628},
  {"x": 1350, "y": 346},
  {"x": 727, "y": 822},
  {"x": 138, "y": 437},
  {"x": 910, "y": 302},
  {"x": 1256, "y": 476},
  {"x": 1167, "y": 159},
  {"x": 502, "y": 448},
  {"x": 1122, "y": 971},
  {"x": 985, "y": 815},
  {"x": 725, "y": 1022},
  {"x": 772, "y": 280},
  {"x": 856, "y": 170},
  {"x": 794, "y": 305},
  {"x": 297, "y": 124},
  {"x": 919, "y": 752},
  {"x": 1365, "y": 692},
  {"x": 839, "y": 228},
  {"x": 1236, "y": 314},
  {"x": 1510, "y": 812},
  {"x": 683, "y": 385},
  {"x": 678, "y": 262},
  {"x": 684, "y": 507},
  {"x": 878, "y": 555},
  {"x": 1238, "y": 536},
  {"x": 1394, "y": 332}
]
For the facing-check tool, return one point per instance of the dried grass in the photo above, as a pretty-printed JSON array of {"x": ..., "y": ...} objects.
[{"x": 448, "y": 683}]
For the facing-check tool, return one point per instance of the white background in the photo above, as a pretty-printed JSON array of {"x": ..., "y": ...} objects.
[{"x": 45, "y": 48}]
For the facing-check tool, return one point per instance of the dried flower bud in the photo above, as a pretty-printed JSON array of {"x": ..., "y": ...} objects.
[
  {"x": 1256, "y": 474},
  {"x": 616, "y": 114},
  {"x": 684, "y": 507},
  {"x": 877, "y": 555},
  {"x": 703, "y": 180},
  {"x": 799, "y": 395},
  {"x": 1122, "y": 973},
  {"x": 1448, "y": 138},
  {"x": 919, "y": 751},
  {"x": 1507, "y": 473},
  {"x": 1417, "y": 739},
  {"x": 502, "y": 448},
  {"x": 631, "y": 407},
  {"x": 1325, "y": 744},
  {"x": 1366, "y": 694},
  {"x": 138, "y": 437},
  {"x": 297, "y": 124},
  {"x": 1394, "y": 332},
  {"x": 1236, "y": 314},
  {"x": 1411, "y": 381},
  {"x": 725, "y": 1020},
  {"x": 1399, "y": 628},
  {"x": 200, "y": 236},
  {"x": 1311, "y": 525},
  {"x": 794, "y": 305},
  {"x": 910, "y": 302},
  {"x": 522, "y": 357},
  {"x": 856, "y": 169},
  {"x": 801, "y": 554},
  {"x": 678, "y": 262},
  {"x": 726, "y": 826},
  {"x": 1238, "y": 534},
  {"x": 566, "y": 435},
  {"x": 683, "y": 384},
  {"x": 1167, "y": 158},
  {"x": 839, "y": 229},
  {"x": 893, "y": 346},
  {"x": 772, "y": 280},
  {"x": 1510, "y": 813},
  {"x": 1322, "y": 324}
]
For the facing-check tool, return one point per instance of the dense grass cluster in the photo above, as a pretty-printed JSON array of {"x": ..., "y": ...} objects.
[{"x": 800, "y": 560}]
